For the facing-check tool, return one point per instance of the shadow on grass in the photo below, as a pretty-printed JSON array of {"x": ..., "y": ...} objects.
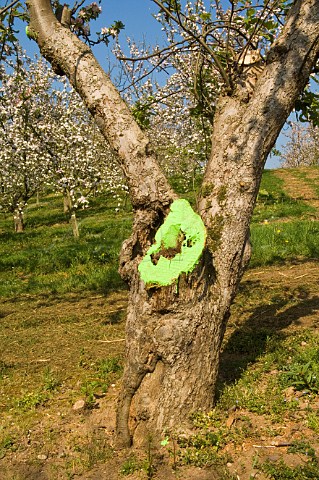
[{"x": 250, "y": 340}]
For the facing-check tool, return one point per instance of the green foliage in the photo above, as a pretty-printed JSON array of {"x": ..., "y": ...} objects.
[
  {"x": 302, "y": 372},
  {"x": 130, "y": 466},
  {"x": 32, "y": 400},
  {"x": 307, "y": 107},
  {"x": 50, "y": 382},
  {"x": 281, "y": 471},
  {"x": 100, "y": 377},
  {"x": 8, "y": 33},
  {"x": 7, "y": 443},
  {"x": 304, "y": 448},
  {"x": 142, "y": 113},
  {"x": 200, "y": 441}
]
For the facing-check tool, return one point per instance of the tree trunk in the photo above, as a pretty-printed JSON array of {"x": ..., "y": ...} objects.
[
  {"x": 18, "y": 221},
  {"x": 174, "y": 333},
  {"x": 67, "y": 202},
  {"x": 74, "y": 224}
]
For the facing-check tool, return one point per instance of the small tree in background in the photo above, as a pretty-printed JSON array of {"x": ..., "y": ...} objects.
[
  {"x": 24, "y": 164},
  {"x": 302, "y": 148},
  {"x": 81, "y": 163},
  {"x": 49, "y": 142}
]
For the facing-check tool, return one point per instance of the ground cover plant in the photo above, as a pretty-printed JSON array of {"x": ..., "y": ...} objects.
[{"x": 62, "y": 316}]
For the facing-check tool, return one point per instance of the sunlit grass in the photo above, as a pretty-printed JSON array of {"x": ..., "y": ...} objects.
[
  {"x": 279, "y": 242},
  {"x": 273, "y": 203},
  {"x": 46, "y": 258}
]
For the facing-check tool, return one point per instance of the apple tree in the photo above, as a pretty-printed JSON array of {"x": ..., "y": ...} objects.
[{"x": 183, "y": 268}]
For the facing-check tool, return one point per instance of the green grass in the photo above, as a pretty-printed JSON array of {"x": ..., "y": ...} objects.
[
  {"x": 279, "y": 242},
  {"x": 46, "y": 258},
  {"x": 273, "y": 203},
  {"x": 281, "y": 471},
  {"x": 294, "y": 358},
  {"x": 262, "y": 390},
  {"x": 79, "y": 334}
]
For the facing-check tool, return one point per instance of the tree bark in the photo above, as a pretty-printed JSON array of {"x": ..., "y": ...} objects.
[
  {"x": 67, "y": 202},
  {"x": 18, "y": 221},
  {"x": 174, "y": 333},
  {"x": 75, "y": 226}
]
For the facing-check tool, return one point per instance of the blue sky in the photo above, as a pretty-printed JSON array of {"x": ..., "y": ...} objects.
[{"x": 139, "y": 24}]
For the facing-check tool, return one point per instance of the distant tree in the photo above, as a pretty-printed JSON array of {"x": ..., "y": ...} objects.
[
  {"x": 24, "y": 165},
  {"x": 302, "y": 148},
  {"x": 261, "y": 54},
  {"x": 81, "y": 163},
  {"x": 49, "y": 141}
]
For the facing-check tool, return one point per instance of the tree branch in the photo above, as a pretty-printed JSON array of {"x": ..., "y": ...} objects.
[
  {"x": 147, "y": 184},
  {"x": 200, "y": 40},
  {"x": 5, "y": 9}
]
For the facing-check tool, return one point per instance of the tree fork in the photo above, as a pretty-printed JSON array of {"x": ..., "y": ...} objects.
[{"x": 174, "y": 337}]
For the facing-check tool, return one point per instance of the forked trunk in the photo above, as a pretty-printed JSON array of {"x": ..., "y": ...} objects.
[
  {"x": 174, "y": 332},
  {"x": 173, "y": 341}
]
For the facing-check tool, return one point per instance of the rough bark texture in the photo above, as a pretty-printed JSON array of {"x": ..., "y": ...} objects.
[
  {"x": 74, "y": 224},
  {"x": 174, "y": 333},
  {"x": 67, "y": 202},
  {"x": 18, "y": 221}
]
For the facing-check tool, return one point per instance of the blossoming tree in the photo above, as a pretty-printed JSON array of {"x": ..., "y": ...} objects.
[
  {"x": 24, "y": 166},
  {"x": 49, "y": 141},
  {"x": 302, "y": 148},
  {"x": 262, "y": 54}
]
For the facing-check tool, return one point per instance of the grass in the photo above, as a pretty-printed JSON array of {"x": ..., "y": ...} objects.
[
  {"x": 280, "y": 242},
  {"x": 47, "y": 259},
  {"x": 273, "y": 203}
]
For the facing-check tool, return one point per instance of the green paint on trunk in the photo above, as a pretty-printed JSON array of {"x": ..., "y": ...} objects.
[
  {"x": 30, "y": 34},
  {"x": 179, "y": 243}
]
